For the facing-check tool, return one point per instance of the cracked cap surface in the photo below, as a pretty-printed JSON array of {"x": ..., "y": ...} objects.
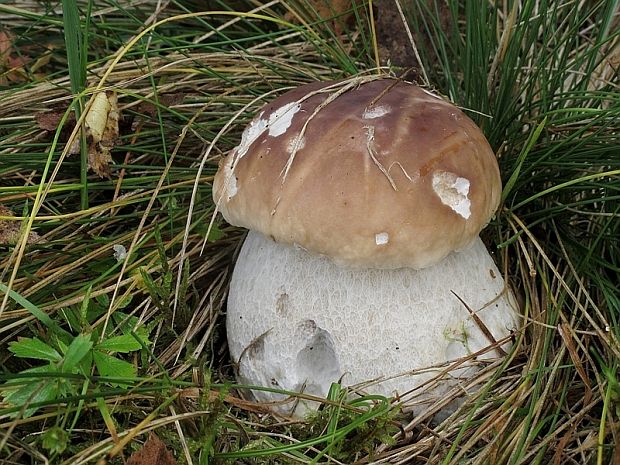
[{"x": 379, "y": 174}]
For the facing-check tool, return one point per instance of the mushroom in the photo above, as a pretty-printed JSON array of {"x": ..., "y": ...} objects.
[{"x": 364, "y": 202}]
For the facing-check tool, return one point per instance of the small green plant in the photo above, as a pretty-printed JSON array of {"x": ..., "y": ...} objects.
[
  {"x": 341, "y": 429},
  {"x": 162, "y": 290},
  {"x": 55, "y": 440},
  {"x": 73, "y": 357},
  {"x": 343, "y": 412}
]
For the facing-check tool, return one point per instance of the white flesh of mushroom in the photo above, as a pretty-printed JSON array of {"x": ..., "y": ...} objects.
[{"x": 298, "y": 322}]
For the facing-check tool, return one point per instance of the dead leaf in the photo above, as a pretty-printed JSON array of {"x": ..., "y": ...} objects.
[
  {"x": 10, "y": 231},
  {"x": 153, "y": 452},
  {"x": 101, "y": 123},
  {"x": 49, "y": 120},
  {"x": 166, "y": 100},
  {"x": 6, "y": 44},
  {"x": 12, "y": 67},
  {"x": 102, "y": 130},
  {"x": 97, "y": 117}
]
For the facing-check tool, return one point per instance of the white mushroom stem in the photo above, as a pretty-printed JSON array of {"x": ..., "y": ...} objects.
[{"x": 298, "y": 322}]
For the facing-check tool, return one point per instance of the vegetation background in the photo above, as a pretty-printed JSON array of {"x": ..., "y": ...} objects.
[{"x": 113, "y": 286}]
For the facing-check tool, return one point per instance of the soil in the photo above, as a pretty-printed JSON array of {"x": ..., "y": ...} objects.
[{"x": 394, "y": 45}]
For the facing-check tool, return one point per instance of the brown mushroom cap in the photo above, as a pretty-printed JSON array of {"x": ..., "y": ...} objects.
[{"x": 383, "y": 174}]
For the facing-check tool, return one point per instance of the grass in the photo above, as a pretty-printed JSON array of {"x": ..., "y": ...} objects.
[{"x": 99, "y": 349}]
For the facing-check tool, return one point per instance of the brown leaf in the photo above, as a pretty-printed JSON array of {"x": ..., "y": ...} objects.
[
  {"x": 6, "y": 45},
  {"x": 166, "y": 100},
  {"x": 11, "y": 67},
  {"x": 10, "y": 231},
  {"x": 99, "y": 160},
  {"x": 153, "y": 452},
  {"x": 50, "y": 120},
  {"x": 110, "y": 132},
  {"x": 102, "y": 132}
]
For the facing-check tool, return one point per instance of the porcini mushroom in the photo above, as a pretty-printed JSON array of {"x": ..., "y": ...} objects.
[{"x": 364, "y": 202}]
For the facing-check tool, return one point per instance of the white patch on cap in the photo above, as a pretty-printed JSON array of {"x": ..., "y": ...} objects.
[
  {"x": 452, "y": 191},
  {"x": 231, "y": 186},
  {"x": 280, "y": 120},
  {"x": 376, "y": 111},
  {"x": 296, "y": 143},
  {"x": 382, "y": 238},
  {"x": 230, "y": 180},
  {"x": 256, "y": 127}
]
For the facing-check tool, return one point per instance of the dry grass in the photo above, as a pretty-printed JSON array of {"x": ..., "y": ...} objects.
[{"x": 185, "y": 92}]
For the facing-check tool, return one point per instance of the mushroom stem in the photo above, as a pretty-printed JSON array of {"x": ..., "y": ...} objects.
[{"x": 297, "y": 321}]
